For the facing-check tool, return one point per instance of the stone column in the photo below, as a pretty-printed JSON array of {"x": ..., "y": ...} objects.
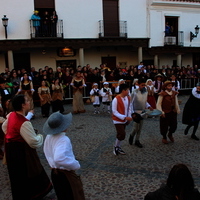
[
  {"x": 81, "y": 57},
  {"x": 10, "y": 60},
  {"x": 140, "y": 55},
  {"x": 179, "y": 59},
  {"x": 156, "y": 60}
]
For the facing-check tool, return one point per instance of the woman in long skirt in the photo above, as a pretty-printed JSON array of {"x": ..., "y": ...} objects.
[
  {"x": 78, "y": 83},
  {"x": 45, "y": 98},
  {"x": 27, "y": 176},
  {"x": 57, "y": 96},
  {"x": 26, "y": 88}
]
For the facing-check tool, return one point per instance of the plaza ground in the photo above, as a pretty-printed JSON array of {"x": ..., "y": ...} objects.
[{"x": 128, "y": 177}]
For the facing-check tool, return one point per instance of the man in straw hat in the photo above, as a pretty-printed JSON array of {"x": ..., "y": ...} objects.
[
  {"x": 59, "y": 154},
  {"x": 168, "y": 104}
]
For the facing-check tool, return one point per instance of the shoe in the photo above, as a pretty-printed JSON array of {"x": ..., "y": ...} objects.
[
  {"x": 194, "y": 137},
  {"x": 82, "y": 111},
  {"x": 138, "y": 144},
  {"x": 108, "y": 112},
  {"x": 115, "y": 151},
  {"x": 130, "y": 140},
  {"x": 164, "y": 141},
  {"x": 171, "y": 138},
  {"x": 95, "y": 112},
  {"x": 98, "y": 112},
  {"x": 120, "y": 151}
]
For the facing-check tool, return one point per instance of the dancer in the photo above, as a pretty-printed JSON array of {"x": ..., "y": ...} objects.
[
  {"x": 95, "y": 92},
  {"x": 60, "y": 156},
  {"x": 27, "y": 176},
  {"x": 26, "y": 88},
  {"x": 158, "y": 83},
  {"x": 139, "y": 103},
  {"x": 168, "y": 104},
  {"x": 78, "y": 84},
  {"x": 191, "y": 112},
  {"x": 106, "y": 94},
  {"x": 121, "y": 115},
  {"x": 151, "y": 90},
  {"x": 57, "y": 96},
  {"x": 45, "y": 98}
]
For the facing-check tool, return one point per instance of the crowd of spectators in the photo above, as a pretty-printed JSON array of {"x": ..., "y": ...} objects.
[{"x": 98, "y": 75}]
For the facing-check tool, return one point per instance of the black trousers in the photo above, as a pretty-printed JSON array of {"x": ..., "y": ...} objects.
[{"x": 168, "y": 124}]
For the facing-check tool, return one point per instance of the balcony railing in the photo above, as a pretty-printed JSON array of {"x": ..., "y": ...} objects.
[
  {"x": 50, "y": 30},
  {"x": 175, "y": 40},
  {"x": 120, "y": 29}
]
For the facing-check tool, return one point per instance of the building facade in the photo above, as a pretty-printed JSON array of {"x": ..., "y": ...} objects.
[{"x": 114, "y": 32}]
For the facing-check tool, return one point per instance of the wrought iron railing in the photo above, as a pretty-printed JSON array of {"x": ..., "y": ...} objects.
[
  {"x": 173, "y": 40},
  {"x": 122, "y": 28},
  {"x": 50, "y": 30}
]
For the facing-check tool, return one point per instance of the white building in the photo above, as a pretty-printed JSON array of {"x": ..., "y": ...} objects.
[{"x": 115, "y": 32}]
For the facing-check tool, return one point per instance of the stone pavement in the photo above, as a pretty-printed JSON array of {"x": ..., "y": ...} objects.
[{"x": 129, "y": 177}]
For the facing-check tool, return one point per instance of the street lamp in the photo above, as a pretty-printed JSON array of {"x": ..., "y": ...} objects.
[
  {"x": 5, "y": 24},
  {"x": 192, "y": 35}
]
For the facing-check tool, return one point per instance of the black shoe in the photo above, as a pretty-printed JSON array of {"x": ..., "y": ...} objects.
[
  {"x": 130, "y": 140},
  {"x": 115, "y": 151},
  {"x": 120, "y": 151},
  {"x": 194, "y": 137},
  {"x": 138, "y": 144}
]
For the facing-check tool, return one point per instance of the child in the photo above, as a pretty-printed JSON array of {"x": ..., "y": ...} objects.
[
  {"x": 95, "y": 92},
  {"x": 158, "y": 85},
  {"x": 174, "y": 80},
  {"x": 59, "y": 154},
  {"x": 121, "y": 110},
  {"x": 151, "y": 90},
  {"x": 168, "y": 105},
  {"x": 106, "y": 94}
]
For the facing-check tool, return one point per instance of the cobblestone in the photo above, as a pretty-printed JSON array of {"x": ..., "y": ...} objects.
[{"x": 109, "y": 177}]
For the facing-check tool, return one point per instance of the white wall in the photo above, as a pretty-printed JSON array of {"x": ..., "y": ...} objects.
[
  {"x": 188, "y": 19},
  {"x": 19, "y": 12},
  {"x": 135, "y": 13},
  {"x": 80, "y": 18}
]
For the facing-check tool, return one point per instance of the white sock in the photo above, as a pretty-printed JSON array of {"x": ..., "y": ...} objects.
[{"x": 117, "y": 143}]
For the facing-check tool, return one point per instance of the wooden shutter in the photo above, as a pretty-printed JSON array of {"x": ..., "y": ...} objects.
[{"x": 111, "y": 18}]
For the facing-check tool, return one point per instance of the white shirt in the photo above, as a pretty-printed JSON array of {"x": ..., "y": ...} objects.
[
  {"x": 96, "y": 98},
  {"x": 119, "y": 115},
  {"x": 59, "y": 153},
  {"x": 195, "y": 94}
]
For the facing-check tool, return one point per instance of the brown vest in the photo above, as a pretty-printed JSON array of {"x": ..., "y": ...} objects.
[{"x": 168, "y": 102}]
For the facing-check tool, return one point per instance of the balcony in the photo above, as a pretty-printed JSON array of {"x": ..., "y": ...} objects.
[
  {"x": 174, "y": 40},
  {"x": 112, "y": 29},
  {"x": 39, "y": 30}
]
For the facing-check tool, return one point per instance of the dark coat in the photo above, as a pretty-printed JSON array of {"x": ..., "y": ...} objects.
[
  {"x": 166, "y": 193},
  {"x": 191, "y": 111}
]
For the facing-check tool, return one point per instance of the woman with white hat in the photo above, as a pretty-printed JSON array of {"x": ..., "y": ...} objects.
[{"x": 59, "y": 154}]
